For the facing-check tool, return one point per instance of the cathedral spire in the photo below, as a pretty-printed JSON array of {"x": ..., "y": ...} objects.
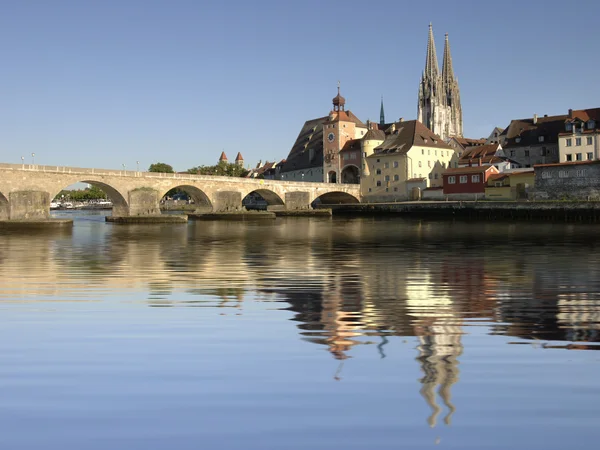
[
  {"x": 447, "y": 69},
  {"x": 431, "y": 62},
  {"x": 381, "y": 114}
]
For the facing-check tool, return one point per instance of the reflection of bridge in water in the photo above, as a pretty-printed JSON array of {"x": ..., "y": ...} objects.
[{"x": 27, "y": 190}]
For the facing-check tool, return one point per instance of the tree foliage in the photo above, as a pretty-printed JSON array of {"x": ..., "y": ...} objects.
[
  {"x": 161, "y": 167},
  {"x": 223, "y": 169},
  {"x": 81, "y": 195}
]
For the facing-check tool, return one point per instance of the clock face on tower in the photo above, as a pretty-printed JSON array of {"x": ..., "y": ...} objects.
[{"x": 330, "y": 137}]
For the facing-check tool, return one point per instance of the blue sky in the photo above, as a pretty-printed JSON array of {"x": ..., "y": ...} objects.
[{"x": 106, "y": 83}]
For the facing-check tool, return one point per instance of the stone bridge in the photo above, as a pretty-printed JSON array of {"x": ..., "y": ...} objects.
[{"x": 26, "y": 190}]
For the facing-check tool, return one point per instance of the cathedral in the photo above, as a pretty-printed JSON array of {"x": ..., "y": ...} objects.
[{"x": 439, "y": 97}]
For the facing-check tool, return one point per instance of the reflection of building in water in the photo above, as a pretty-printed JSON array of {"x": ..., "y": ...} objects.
[{"x": 437, "y": 324}]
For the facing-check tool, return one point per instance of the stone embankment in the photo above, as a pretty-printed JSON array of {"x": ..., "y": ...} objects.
[{"x": 482, "y": 210}]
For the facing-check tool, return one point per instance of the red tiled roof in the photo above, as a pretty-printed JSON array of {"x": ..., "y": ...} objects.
[
  {"x": 567, "y": 163},
  {"x": 402, "y": 136},
  {"x": 223, "y": 157},
  {"x": 239, "y": 157}
]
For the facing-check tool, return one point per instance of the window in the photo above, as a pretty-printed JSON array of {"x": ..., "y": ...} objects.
[
  {"x": 396, "y": 189},
  {"x": 365, "y": 154},
  {"x": 379, "y": 183},
  {"x": 498, "y": 183},
  {"x": 541, "y": 139},
  {"x": 436, "y": 176},
  {"x": 526, "y": 152},
  {"x": 435, "y": 152},
  {"x": 589, "y": 140},
  {"x": 512, "y": 153},
  {"x": 429, "y": 164},
  {"x": 387, "y": 178},
  {"x": 569, "y": 142},
  {"x": 591, "y": 124},
  {"x": 419, "y": 163},
  {"x": 543, "y": 151},
  {"x": 577, "y": 141},
  {"x": 386, "y": 165},
  {"x": 422, "y": 151},
  {"x": 475, "y": 178},
  {"x": 378, "y": 171},
  {"x": 451, "y": 180},
  {"x": 580, "y": 173},
  {"x": 579, "y": 157},
  {"x": 568, "y": 126},
  {"x": 378, "y": 160},
  {"x": 463, "y": 179},
  {"x": 430, "y": 176},
  {"x": 370, "y": 189},
  {"x": 569, "y": 157},
  {"x": 563, "y": 174},
  {"x": 395, "y": 164},
  {"x": 517, "y": 140},
  {"x": 590, "y": 156},
  {"x": 387, "y": 189},
  {"x": 428, "y": 152},
  {"x": 396, "y": 177}
]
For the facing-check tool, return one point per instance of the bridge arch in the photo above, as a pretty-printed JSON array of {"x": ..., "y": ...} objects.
[
  {"x": 200, "y": 198},
  {"x": 269, "y": 196},
  {"x": 120, "y": 203},
  {"x": 334, "y": 198},
  {"x": 350, "y": 174},
  {"x": 4, "y": 209}
]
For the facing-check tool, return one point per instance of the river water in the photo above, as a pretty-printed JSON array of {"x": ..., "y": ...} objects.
[{"x": 300, "y": 334}]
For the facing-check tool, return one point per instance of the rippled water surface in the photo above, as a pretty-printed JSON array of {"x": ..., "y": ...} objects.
[{"x": 300, "y": 334}]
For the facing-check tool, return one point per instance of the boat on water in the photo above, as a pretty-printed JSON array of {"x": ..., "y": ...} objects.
[{"x": 54, "y": 205}]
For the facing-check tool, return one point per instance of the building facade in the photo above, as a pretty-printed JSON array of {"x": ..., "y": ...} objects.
[
  {"x": 533, "y": 141},
  {"x": 579, "y": 139},
  {"x": 467, "y": 182},
  {"x": 577, "y": 180},
  {"x": 405, "y": 158},
  {"x": 439, "y": 107}
]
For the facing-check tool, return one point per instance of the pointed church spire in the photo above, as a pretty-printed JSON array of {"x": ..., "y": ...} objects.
[
  {"x": 381, "y": 114},
  {"x": 431, "y": 63},
  {"x": 447, "y": 69}
]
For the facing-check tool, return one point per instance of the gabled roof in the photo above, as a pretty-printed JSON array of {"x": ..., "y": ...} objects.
[
  {"x": 374, "y": 135},
  {"x": 352, "y": 144},
  {"x": 468, "y": 142},
  {"x": 309, "y": 138},
  {"x": 526, "y": 132},
  {"x": 585, "y": 115},
  {"x": 480, "y": 151},
  {"x": 346, "y": 116},
  {"x": 402, "y": 136}
]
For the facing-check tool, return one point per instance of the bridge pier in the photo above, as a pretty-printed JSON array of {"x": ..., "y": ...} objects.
[
  {"x": 297, "y": 200},
  {"x": 227, "y": 201},
  {"x": 28, "y": 205},
  {"x": 142, "y": 202}
]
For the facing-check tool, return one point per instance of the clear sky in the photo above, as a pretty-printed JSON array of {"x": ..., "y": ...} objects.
[{"x": 105, "y": 83}]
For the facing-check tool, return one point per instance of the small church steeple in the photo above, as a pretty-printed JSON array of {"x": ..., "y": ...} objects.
[{"x": 381, "y": 114}]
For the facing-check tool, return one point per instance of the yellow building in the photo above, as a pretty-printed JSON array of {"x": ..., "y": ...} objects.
[
  {"x": 510, "y": 186},
  {"x": 402, "y": 161}
]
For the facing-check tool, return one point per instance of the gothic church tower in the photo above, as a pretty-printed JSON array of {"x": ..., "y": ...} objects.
[{"x": 439, "y": 106}]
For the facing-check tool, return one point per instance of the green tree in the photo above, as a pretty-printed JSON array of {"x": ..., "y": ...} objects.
[
  {"x": 161, "y": 167},
  {"x": 223, "y": 169}
]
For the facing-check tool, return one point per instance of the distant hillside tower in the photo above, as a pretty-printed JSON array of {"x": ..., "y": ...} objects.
[
  {"x": 223, "y": 157},
  {"x": 439, "y": 107}
]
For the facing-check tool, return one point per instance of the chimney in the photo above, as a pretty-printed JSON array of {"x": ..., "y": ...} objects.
[
  {"x": 570, "y": 113},
  {"x": 479, "y": 163},
  {"x": 401, "y": 119},
  {"x": 535, "y": 119}
]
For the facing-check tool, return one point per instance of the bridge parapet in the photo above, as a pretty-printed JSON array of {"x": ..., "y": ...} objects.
[{"x": 138, "y": 193}]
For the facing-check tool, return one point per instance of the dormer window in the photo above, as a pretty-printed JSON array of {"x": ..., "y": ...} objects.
[
  {"x": 569, "y": 126},
  {"x": 517, "y": 140},
  {"x": 591, "y": 124},
  {"x": 541, "y": 139}
]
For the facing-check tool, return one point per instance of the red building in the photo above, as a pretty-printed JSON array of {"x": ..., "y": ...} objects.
[{"x": 467, "y": 180}]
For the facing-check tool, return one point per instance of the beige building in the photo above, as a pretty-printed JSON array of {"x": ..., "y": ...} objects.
[
  {"x": 579, "y": 139},
  {"x": 402, "y": 161}
]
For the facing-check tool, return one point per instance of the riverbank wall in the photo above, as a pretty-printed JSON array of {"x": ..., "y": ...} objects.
[{"x": 482, "y": 210}]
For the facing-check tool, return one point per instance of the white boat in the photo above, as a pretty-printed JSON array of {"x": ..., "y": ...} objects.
[{"x": 54, "y": 205}]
